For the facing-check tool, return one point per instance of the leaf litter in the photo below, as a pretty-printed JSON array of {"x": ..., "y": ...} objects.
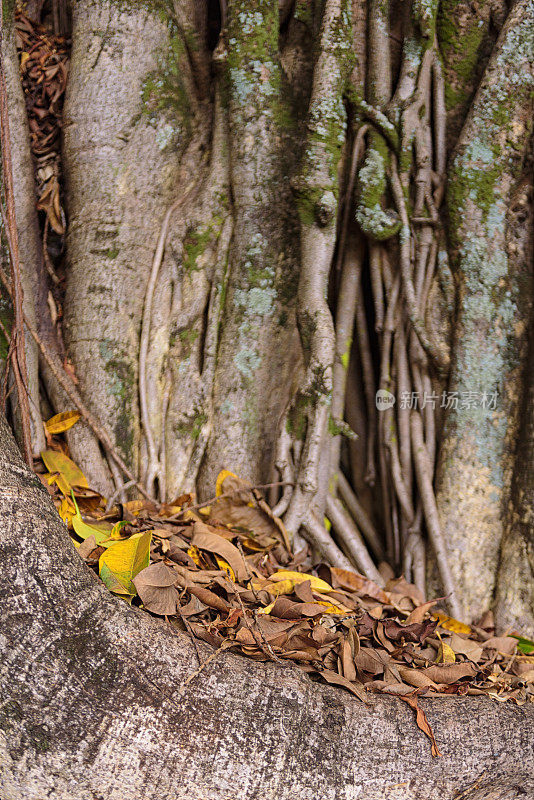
[{"x": 224, "y": 573}]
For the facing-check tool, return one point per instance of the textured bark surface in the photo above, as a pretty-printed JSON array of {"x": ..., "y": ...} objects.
[
  {"x": 121, "y": 167},
  {"x": 27, "y": 227},
  {"x": 95, "y": 702},
  {"x": 476, "y": 464}
]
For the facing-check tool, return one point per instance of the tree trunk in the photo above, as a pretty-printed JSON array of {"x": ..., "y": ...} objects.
[
  {"x": 494, "y": 314},
  {"x": 101, "y": 701}
]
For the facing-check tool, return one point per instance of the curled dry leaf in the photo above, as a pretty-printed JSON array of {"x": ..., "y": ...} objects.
[
  {"x": 422, "y": 722},
  {"x": 339, "y": 680},
  {"x": 450, "y": 673},
  {"x": 205, "y": 539},
  {"x": 358, "y": 583},
  {"x": 156, "y": 586}
]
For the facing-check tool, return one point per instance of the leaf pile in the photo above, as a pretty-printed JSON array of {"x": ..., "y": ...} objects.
[
  {"x": 226, "y": 575},
  {"x": 44, "y": 65}
]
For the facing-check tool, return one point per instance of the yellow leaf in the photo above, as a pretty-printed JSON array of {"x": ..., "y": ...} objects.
[
  {"x": 69, "y": 474},
  {"x": 83, "y": 530},
  {"x": 451, "y": 624},
  {"x": 134, "y": 506},
  {"x": 23, "y": 59},
  {"x": 194, "y": 553},
  {"x": 116, "y": 530},
  {"x": 300, "y": 577},
  {"x": 66, "y": 511},
  {"x": 332, "y": 609},
  {"x": 224, "y": 565},
  {"x": 446, "y": 654},
  {"x": 267, "y": 609},
  {"x": 123, "y": 560},
  {"x": 275, "y": 588},
  {"x": 62, "y": 422},
  {"x": 221, "y": 477}
]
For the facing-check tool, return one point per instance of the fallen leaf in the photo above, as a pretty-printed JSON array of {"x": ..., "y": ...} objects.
[
  {"x": 524, "y": 645},
  {"x": 316, "y": 584},
  {"x": 451, "y": 624},
  {"x": 204, "y": 539},
  {"x": 422, "y": 722},
  {"x": 84, "y": 531},
  {"x": 156, "y": 586},
  {"x": 62, "y": 422},
  {"x": 415, "y": 677},
  {"x": 356, "y": 688},
  {"x": 69, "y": 475},
  {"x": 209, "y": 599},
  {"x": 123, "y": 560},
  {"x": 418, "y": 614},
  {"x": 450, "y": 673},
  {"x": 446, "y": 654},
  {"x": 504, "y": 644},
  {"x": 466, "y": 647},
  {"x": 358, "y": 583}
]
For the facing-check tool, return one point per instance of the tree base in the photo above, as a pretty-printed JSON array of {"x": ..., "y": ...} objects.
[{"x": 97, "y": 705}]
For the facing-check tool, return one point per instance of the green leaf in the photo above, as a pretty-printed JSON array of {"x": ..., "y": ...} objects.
[
  {"x": 525, "y": 646},
  {"x": 123, "y": 560}
]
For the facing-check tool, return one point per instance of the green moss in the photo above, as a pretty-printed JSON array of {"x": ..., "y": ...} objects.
[
  {"x": 195, "y": 243},
  {"x": 8, "y": 8},
  {"x": 424, "y": 14},
  {"x": 112, "y": 252},
  {"x": 474, "y": 175},
  {"x": 374, "y": 221},
  {"x": 122, "y": 387},
  {"x": 187, "y": 339},
  {"x": 297, "y": 418},
  {"x": 460, "y": 43},
  {"x": 164, "y": 89},
  {"x": 192, "y": 428}
]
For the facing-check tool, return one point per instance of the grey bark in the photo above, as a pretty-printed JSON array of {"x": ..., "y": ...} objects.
[
  {"x": 27, "y": 226},
  {"x": 121, "y": 167},
  {"x": 473, "y": 482},
  {"x": 98, "y": 701}
]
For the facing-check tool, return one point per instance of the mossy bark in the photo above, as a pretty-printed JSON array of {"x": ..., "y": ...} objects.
[{"x": 476, "y": 457}]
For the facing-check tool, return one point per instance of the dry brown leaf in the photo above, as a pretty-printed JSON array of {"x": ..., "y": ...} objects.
[
  {"x": 504, "y": 644},
  {"x": 466, "y": 647},
  {"x": 416, "y": 677},
  {"x": 369, "y": 660},
  {"x": 418, "y": 614},
  {"x": 304, "y": 592},
  {"x": 450, "y": 673},
  {"x": 422, "y": 722},
  {"x": 156, "y": 587},
  {"x": 356, "y": 688},
  {"x": 359, "y": 584},
  {"x": 204, "y": 539},
  {"x": 349, "y": 668},
  {"x": 209, "y": 598}
]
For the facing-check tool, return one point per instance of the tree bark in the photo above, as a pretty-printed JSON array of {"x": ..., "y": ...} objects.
[
  {"x": 101, "y": 701},
  {"x": 494, "y": 312}
]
